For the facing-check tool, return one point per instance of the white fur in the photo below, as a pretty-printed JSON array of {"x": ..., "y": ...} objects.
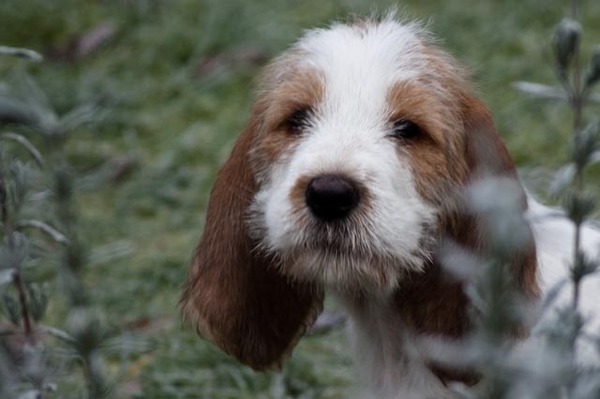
[
  {"x": 390, "y": 358},
  {"x": 362, "y": 66},
  {"x": 554, "y": 236},
  {"x": 349, "y": 135}
]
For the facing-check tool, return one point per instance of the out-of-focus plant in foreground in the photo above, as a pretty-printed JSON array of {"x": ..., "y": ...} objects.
[{"x": 38, "y": 217}]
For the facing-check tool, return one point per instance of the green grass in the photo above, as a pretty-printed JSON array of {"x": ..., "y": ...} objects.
[{"x": 179, "y": 124}]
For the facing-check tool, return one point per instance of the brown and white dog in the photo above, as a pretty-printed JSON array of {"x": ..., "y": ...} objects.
[{"x": 348, "y": 178}]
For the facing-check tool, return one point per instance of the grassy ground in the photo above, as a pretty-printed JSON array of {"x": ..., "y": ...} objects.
[{"x": 174, "y": 81}]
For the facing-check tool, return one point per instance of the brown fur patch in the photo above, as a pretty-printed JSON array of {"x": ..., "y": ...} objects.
[
  {"x": 299, "y": 89},
  {"x": 432, "y": 303},
  {"x": 234, "y": 294},
  {"x": 432, "y": 156},
  {"x": 460, "y": 145}
]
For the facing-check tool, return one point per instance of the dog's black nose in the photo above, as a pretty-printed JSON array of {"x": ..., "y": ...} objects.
[{"x": 331, "y": 197}]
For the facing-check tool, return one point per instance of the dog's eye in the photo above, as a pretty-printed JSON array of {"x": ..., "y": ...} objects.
[
  {"x": 299, "y": 121},
  {"x": 405, "y": 129}
]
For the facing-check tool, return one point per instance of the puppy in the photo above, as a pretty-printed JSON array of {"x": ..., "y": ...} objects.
[{"x": 350, "y": 177}]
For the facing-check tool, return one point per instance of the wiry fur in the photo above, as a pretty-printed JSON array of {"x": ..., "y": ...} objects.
[
  {"x": 264, "y": 259},
  {"x": 347, "y": 136}
]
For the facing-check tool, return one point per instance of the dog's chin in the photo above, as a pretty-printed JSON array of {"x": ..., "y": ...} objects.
[
  {"x": 343, "y": 269},
  {"x": 346, "y": 255}
]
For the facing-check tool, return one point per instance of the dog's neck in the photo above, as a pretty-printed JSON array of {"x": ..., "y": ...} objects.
[{"x": 388, "y": 330}]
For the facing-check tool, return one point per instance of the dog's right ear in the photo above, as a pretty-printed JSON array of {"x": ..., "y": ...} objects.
[{"x": 235, "y": 295}]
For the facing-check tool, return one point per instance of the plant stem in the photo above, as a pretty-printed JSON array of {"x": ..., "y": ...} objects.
[
  {"x": 575, "y": 9},
  {"x": 20, "y": 286},
  {"x": 93, "y": 377},
  {"x": 577, "y": 102},
  {"x": 18, "y": 281},
  {"x": 3, "y": 204}
]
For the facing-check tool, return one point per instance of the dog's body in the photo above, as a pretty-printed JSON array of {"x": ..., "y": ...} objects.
[
  {"x": 351, "y": 176},
  {"x": 554, "y": 236}
]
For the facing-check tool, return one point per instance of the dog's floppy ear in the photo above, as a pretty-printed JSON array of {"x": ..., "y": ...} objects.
[
  {"x": 234, "y": 294},
  {"x": 435, "y": 303},
  {"x": 488, "y": 157},
  {"x": 486, "y": 153}
]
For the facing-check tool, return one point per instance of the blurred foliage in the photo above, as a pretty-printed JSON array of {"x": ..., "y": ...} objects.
[
  {"x": 157, "y": 91},
  {"x": 30, "y": 184}
]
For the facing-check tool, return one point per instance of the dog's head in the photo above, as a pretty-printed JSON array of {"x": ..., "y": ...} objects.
[{"x": 348, "y": 174}]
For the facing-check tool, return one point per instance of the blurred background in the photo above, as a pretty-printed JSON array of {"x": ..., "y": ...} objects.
[{"x": 139, "y": 102}]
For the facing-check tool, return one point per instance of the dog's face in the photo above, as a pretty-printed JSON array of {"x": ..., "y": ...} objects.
[
  {"x": 348, "y": 174},
  {"x": 361, "y": 139}
]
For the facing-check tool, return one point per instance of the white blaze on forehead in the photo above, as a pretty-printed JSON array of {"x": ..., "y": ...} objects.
[{"x": 360, "y": 63}]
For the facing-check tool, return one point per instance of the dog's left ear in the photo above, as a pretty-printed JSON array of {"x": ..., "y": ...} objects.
[
  {"x": 487, "y": 157},
  {"x": 486, "y": 153}
]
